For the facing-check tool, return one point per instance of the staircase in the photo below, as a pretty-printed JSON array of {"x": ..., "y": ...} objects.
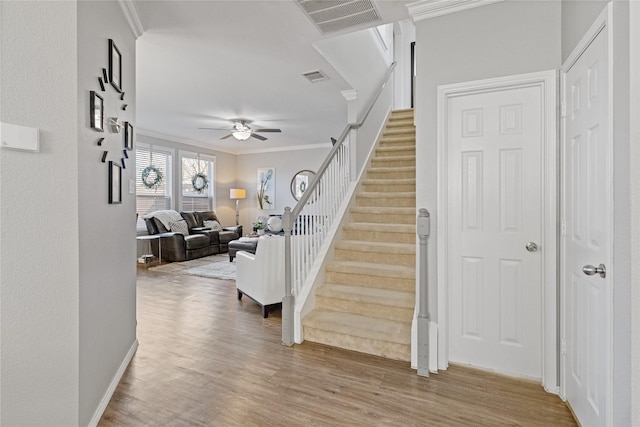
[{"x": 368, "y": 299}]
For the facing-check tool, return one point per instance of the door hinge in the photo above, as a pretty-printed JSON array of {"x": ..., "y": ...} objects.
[
  {"x": 563, "y": 228},
  {"x": 563, "y": 110},
  {"x": 563, "y": 346}
]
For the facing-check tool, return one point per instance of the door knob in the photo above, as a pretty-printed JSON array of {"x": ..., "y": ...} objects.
[
  {"x": 590, "y": 270},
  {"x": 531, "y": 247}
]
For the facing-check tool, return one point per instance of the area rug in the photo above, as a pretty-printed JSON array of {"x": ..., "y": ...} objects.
[{"x": 213, "y": 267}]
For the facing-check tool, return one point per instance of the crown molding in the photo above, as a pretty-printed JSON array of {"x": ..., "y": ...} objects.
[
  {"x": 428, "y": 9},
  {"x": 350, "y": 94},
  {"x": 133, "y": 17},
  {"x": 285, "y": 149},
  {"x": 236, "y": 151}
]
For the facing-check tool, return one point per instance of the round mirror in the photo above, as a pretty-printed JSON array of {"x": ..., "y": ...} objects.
[{"x": 300, "y": 183}]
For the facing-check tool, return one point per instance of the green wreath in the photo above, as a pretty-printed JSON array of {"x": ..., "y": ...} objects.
[
  {"x": 152, "y": 177},
  {"x": 199, "y": 182}
]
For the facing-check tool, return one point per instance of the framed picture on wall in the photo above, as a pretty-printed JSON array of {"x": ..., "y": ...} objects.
[
  {"x": 96, "y": 108},
  {"x": 115, "y": 183},
  {"x": 128, "y": 135},
  {"x": 266, "y": 188},
  {"x": 115, "y": 66}
]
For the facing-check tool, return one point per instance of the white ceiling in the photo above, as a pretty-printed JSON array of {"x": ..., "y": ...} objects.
[{"x": 202, "y": 63}]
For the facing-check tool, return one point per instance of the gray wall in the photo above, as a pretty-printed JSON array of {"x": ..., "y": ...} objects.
[
  {"x": 577, "y": 18},
  {"x": 66, "y": 255},
  {"x": 39, "y": 229},
  {"x": 107, "y": 232},
  {"x": 502, "y": 39}
]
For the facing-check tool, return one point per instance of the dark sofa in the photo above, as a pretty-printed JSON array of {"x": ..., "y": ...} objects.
[{"x": 201, "y": 241}]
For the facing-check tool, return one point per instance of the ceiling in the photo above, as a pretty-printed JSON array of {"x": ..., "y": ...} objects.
[{"x": 203, "y": 63}]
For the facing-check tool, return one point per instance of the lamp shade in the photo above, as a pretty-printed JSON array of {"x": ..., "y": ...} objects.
[{"x": 237, "y": 193}]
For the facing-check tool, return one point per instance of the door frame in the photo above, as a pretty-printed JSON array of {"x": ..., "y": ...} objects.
[
  {"x": 546, "y": 81},
  {"x": 604, "y": 22}
]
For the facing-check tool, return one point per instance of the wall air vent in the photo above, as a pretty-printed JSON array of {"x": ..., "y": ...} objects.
[
  {"x": 336, "y": 15},
  {"x": 315, "y": 76}
]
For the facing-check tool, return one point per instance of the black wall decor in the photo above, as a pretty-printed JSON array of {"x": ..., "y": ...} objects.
[{"x": 115, "y": 66}]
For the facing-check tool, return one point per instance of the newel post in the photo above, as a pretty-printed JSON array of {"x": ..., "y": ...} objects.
[
  {"x": 287, "y": 300},
  {"x": 423, "y": 225}
]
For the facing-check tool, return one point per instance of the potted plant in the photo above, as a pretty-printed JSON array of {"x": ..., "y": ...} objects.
[{"x": 259, "y": 227}]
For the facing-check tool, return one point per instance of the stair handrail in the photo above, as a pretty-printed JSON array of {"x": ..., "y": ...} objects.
[{"x": 288, "y": 301}]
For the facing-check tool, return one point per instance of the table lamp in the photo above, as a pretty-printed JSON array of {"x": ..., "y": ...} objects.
[{"x": 237, "y": 194}]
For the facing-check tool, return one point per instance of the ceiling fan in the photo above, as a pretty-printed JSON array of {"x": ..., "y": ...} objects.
[{"x": 242, "y": 131}]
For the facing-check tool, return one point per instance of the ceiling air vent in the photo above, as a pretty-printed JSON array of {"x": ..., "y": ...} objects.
[
  {"x": 336, "y": 15},
  {"x": 315, "y": 76}
]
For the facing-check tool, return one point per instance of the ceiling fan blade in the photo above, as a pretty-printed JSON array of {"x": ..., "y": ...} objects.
[
  {"x": 225, "y": 137},
  {"x": 213, "y": 129},
  {"x": 267, "y": 130},
  {"x": 260, "y": 137}
]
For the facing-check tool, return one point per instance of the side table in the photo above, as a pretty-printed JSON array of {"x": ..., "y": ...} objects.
[{"x": 149, "y": 238}]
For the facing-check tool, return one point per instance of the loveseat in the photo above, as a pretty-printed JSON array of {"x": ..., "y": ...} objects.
[{"x": 189, "y": 235}]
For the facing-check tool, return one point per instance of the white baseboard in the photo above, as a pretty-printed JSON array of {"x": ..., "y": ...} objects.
[{"x": 112, "y": 387}]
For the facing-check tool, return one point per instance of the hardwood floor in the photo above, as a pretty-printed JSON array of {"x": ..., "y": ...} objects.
[{"x": 207, "y": 359}]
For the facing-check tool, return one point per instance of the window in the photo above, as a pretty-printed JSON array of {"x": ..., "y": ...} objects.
[
  {"x": 197, "y": 182},
  {"x": 150, "y": 197}
]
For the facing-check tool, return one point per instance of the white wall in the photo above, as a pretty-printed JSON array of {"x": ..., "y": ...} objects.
[
  {"x": 634, "y": 158},
  {"x": 359, "y": 59},
  {"x": 404, "y": 35},
  {"x": 371, "y": 128},
  {"x": 107, "y": 232},
  {"x": 577, "y": 17},
  {"x": 68, "y": 275},
  {"x": 40, "y": 224},
  {"x": 225, "y": 175},
  {"x": 502, "y": 39},
  {"x": 286, "y": 164}
]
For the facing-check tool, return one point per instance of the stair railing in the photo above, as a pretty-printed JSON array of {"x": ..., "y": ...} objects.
[
  {"x": 315, "y": 213},
  {"x": 423, "y": 225}
]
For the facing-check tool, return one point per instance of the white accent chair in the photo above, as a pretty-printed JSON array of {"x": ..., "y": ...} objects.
[{"x": 260, "y": 276}]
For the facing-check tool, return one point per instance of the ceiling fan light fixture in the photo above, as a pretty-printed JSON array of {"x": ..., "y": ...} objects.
[{"x": 241, "y": 135}]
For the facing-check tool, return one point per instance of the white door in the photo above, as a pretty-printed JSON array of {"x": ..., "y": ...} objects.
[
  {"x": 495, "y": 142},
  {"x": 587, "y": 205}
]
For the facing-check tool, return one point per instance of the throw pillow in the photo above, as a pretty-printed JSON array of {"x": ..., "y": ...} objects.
[
  {"x": 179, "y": 227},
  {"x": 213, "y": 225}
]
